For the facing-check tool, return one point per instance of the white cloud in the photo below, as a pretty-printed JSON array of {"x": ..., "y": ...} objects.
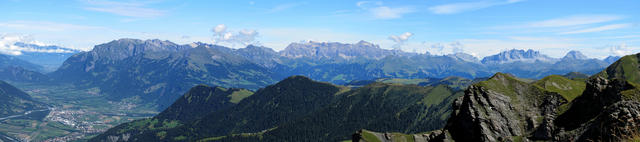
[
  {"x": 8, "y": 41},
  {"x": 575, "y": 20},
  {"x": 243, "y": 37},
  {"x": 136, "y": 9},
  {"x": 45, "y": 26},
  {"x": 400, "y": 39},
  {"x": 599, "y": 29},
  {"x": 378, "y": 11},
  {"x": 437, "y": 46},
  {"x": 282, "y": 7},
  {"x": 384, "y": 12},
  {"x": 443, "y": 49},
  {"x": 221, "y": 28},
  {"x": 454, "y": 8},
  {"x": 457, "y": 47},
  {"x": 364, "y": 4},
  {"x": 621, "y": 50}
]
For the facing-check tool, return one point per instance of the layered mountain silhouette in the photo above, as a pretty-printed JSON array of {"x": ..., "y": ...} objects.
[
  {"x": 14, "y": 101},
  {"x": 10, "y": 61},
  {"x": 605, "y": 107},
  {"x": 159, "y": 71},
  {"x": 300, "y": 109},
  {"x": 50, "y": 57}
]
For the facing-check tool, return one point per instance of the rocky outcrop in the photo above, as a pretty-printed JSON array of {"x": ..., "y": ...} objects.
[
  {"x": 488, "y": 114},
  {"x": 618, "y": 122}
]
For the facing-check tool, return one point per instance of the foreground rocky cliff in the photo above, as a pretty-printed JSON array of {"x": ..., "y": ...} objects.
[{"x": 606, "y": 108}]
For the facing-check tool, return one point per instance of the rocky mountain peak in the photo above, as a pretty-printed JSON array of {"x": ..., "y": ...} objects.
[
  {"x": 517, "y": 55},
  {"x": 126, "y": 47},
  {"x": 462, "y": 56},
  {"x": 575, "y": 55},
  {"x": 334, "y": 50},
  {"x": 365, "y": 43},
  {"x": 611, "y": 59}
]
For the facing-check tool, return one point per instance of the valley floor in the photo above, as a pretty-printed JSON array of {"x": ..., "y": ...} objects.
[{"x": 74, "y": 114}]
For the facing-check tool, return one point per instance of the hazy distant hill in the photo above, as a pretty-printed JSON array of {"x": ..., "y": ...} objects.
[
  {"x": 19, "y": 74},
  {"x": 50, "y": 57},
  {"x": 14, "y": 101},
  {"x": 10, "y": 61}
]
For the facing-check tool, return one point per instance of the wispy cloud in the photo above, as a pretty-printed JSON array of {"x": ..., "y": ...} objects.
[
  {"x": 45, "y": 26},
  {"x": 599, "y": 29},
  {"x": 384, "y": 12},
  {"x": 622, "y": 49},
  {"x": 243, "y": 37},
  {"x": 575, "y": 20},
  {"x": 454, "y": 8},
  {"x": 8, "y": 45},
  {"x": 380, "y": 11},
  {"x": 135, "y": 9},
  {"x": 282, "y": 7},
  {"x": 400, "y": 39}
]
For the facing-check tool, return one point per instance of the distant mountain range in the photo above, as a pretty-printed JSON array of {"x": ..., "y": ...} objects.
[
  {"x": 49, "y": 57},
  {"x": 11, "y": 61},
  {"x": 158, "y": 71}
]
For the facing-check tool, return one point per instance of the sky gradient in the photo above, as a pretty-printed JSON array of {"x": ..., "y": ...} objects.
[{"x": 481, "y": 27}]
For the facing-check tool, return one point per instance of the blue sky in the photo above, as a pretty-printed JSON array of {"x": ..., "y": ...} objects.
[{"x": 480, "y": 27}]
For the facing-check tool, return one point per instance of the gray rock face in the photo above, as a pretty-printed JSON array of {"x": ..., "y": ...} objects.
[
  {"x": 264, "y": 56},
  {"x": 611, "y": 59},
  {"x": 619, "y": 121},
  {"x": 123, "y": 48},
  {"x": 576, "y": 55},
  {"x": 464, "y": 57},
  {"x": 491, "y": 115},
  {"x": 608, "y": 110},
  {"x": 332, "y": 50},
  {"x": 514, "y": 55}
]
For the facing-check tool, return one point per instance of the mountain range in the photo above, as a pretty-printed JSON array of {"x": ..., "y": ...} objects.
[
  {"x": 159, "y": 71},
  {"x": 10, "y": 61},
  {"x": 421, "y": 97}
]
